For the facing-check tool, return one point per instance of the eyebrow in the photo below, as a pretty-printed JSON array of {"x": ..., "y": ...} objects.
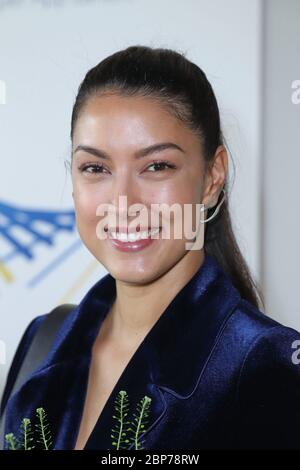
[{"x": 155, "y": 148}]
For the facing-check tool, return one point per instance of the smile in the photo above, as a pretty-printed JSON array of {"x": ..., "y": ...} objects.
[
  {"x": 133, "y": 236},
  {"x": 134, "y": 241}
]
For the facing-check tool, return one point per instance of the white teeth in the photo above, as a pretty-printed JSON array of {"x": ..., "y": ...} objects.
[{"x": 133, "y": 237}]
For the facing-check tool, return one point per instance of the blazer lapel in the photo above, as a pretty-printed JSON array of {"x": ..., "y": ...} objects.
[
  {"x": 169, "y": 359},
  {"x": 59, "y": 383},
  {"x": 173, "y": 354}
]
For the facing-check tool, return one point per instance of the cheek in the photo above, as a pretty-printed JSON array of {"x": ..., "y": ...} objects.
[
  {"x": 180, "y": 192},
  {"x": 183, "y": 196},
  {"x": 86, "y": 203}
]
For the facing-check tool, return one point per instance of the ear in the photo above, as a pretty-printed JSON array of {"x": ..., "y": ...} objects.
[{"x": 215, "y": 178}]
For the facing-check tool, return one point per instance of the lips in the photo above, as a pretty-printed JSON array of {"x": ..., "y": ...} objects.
[
  {"x": 123, "y": 243},
  {"x": 133, "y": 236}
]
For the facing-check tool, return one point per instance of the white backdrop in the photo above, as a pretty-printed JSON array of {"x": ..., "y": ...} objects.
[{"x": 46, "y": 48}]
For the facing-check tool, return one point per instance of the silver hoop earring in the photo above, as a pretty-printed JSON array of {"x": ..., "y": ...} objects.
[{"x": 216, "y": 210}]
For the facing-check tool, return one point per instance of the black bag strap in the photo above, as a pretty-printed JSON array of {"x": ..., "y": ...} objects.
[{"x": 37, "y": 351}]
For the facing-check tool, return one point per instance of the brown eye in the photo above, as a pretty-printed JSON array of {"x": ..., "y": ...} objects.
[
  {"x": 92, "y": 169},
  {"x": 161, "y": 166}
]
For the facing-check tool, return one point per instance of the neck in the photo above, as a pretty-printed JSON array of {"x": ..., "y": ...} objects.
[{"x": 137, "y": 307}]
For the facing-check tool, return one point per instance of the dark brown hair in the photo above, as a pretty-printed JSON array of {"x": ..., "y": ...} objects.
[{"x": 169, "y": 77}]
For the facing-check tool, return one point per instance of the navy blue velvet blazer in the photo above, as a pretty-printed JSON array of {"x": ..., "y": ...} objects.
[{"x": 220, "y": 373}]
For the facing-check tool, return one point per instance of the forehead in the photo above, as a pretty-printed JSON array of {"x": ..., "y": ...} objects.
[{"x": 115, "y": 119}]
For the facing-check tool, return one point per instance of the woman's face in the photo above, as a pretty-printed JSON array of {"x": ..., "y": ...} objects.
[{"x": 121, "y": 127}]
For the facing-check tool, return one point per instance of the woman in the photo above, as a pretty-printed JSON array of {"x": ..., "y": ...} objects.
[{"x": 177, "y": 330}]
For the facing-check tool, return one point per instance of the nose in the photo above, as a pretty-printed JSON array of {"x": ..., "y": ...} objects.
[{"x": 124, "y": 194}]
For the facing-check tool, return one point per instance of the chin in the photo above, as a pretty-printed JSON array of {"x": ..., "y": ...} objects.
[{"x": 132, "y": 275}]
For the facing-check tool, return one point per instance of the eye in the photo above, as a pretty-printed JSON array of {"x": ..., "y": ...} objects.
[
  {"x": 94, "y": 168},
  {"x": 91, "y": 168},
  {"x": 160, "y": 165}
]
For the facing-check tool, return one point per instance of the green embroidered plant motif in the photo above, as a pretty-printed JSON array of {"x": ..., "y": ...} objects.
[
  {"x": 43, "y": 430},
  {"x": 123, "y": 434},
  {"x": 135, "y": 428},
  {"x": 25, "y": 442},
  {"x": 27, "y": 434},
  {"x": 12, "y": 442}
]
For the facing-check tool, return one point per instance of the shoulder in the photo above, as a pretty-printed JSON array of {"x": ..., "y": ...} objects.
[
  {"x": 268, "y": 388},
  {"x": 265, "y": 344},
  {"x": 253, "y": 326},
  {"x": 20, "y": 353}
]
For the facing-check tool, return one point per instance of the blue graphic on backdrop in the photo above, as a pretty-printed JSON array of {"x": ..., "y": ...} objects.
[{"x": 36, "y": 227}]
